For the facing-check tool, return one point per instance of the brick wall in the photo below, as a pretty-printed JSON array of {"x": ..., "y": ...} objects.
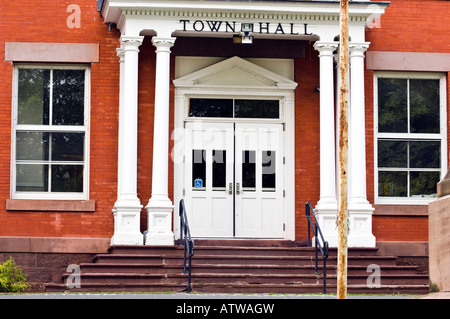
[
  {"x": 409, "y": 26},
  {"x": 33, "y": 21},
  {"x": 307, "y": 138}
]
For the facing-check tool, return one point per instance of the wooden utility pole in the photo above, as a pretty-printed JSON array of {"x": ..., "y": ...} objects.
[{"x": 343, "y": 152}]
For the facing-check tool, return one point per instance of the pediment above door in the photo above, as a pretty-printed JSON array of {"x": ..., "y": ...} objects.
[{"x": 235, "y": 72}]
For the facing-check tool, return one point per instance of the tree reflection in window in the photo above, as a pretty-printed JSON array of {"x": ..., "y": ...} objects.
[
  {"x": 409, "y": 164},
  {"x": 49, "y": 160}
]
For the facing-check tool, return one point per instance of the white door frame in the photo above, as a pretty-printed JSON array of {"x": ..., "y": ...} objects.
[{"x": 285, "y": 94}]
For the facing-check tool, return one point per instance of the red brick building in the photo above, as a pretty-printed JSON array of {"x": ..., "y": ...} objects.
[{"x": 113, "y": 111}]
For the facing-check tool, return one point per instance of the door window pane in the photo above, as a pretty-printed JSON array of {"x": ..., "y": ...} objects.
[
  {"x": 210, "y": 107},
  {"x": 269, "y": 109},
  {"x": 392, "y": 105},
  {"x": 268, "y": 170},
  {"x": 249, "y": 170},
  {"x": 219, "y": 169},
  {"x": 238, "y": 108},
  {"x": 198, "y": 169},
  {"x": 33, "y": 96}
]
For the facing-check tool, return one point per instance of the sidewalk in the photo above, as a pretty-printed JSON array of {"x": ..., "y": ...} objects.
[
  {"x": 437, "y": 295},
  {"x": 195, "y": 296}
]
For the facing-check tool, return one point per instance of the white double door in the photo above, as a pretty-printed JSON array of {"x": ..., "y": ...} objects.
[{"x": 234, "y": 179}]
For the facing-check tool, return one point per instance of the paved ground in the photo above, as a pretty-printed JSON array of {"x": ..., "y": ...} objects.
[
  {"x": 185, "y": 296},
  {"x": 199, "y": 296},
  {"x": 438, "y": 295}
]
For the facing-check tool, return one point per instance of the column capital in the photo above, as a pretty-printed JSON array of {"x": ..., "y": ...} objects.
[
  {"x": 121, "y": 54},
  {"x": 358, "y": 49},
  {"x": 326, "y": 48},
  {"x": 163, "y": 44},
  {"x": 131, "y": 42}
]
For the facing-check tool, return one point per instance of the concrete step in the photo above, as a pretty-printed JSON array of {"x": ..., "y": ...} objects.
[{"x": 268, "y": 267}]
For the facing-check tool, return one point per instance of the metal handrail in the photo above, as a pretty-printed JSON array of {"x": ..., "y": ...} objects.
[
  {"x": 187, "y": 242},
  {"x": 318, "y": 246}
]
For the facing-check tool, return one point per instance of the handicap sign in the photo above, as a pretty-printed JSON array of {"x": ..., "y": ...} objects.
[{"x": 198, "y": 182}]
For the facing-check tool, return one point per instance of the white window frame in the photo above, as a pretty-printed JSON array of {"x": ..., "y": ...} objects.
[
  {"x": 51, "y": 128},
  {"x": 442, "y": 136}
]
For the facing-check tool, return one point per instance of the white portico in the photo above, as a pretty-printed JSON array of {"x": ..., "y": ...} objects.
[{"x": 164, "y": 21}]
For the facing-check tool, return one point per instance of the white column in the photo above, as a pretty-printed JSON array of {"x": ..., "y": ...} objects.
[
  {"x": 326, "y": 209},
  {"x": 160, "y": 207},
  {"x": 127, "y": 209},
  {"x": 360, "y": 210}
]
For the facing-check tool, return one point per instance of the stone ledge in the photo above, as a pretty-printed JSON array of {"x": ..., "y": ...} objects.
[
  {"x": 50, "y": 205},
  {"x": 54, "y": 245}
]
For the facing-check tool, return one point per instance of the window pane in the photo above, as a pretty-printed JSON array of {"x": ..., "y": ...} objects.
[
  {"x": 392, "y": 184},
  {"x": 392, "y": 153},
  {"x": 32, "y": 146},
  {"x": 31, "y": 178},
  {"x": 68, "y": 97},
  {"x": 67, "y": 178},
  {"x": 219, "y": 168},
  {"x": 210, "y": 108},
  {"x": 424, "y": 183},
  {"x": 425, "y": 154},
  {"x": 424, "y": 106},
  {"x": 257, "y": 109},
  {"x": 33, "y": 96},
  {"x": 248, "y": 169},
  {"x": 392, "y": 105},
  {"x": 67, "y": 146},
  {"x": 268, "y": 170},
  {"x": 198, "y": 168}
]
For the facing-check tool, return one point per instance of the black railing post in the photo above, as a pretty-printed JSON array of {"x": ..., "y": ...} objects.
[
  {"x": 317, "y": 246},
  {"x": 187, "y": 242},
  {"x": 316, "y": 243}
]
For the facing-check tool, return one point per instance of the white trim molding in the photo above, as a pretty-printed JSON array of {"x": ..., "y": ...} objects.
[
  {"x": 261, "y": 83},
  {"x": 441, "y": 136}
]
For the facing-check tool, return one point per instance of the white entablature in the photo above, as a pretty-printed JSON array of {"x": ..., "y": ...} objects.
[{"x": 286, "y": 19}]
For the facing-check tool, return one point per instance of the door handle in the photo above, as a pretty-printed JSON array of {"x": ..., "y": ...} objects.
[
  {"x": 238, "y": 190},
  {"x": 230, "y": 188}
]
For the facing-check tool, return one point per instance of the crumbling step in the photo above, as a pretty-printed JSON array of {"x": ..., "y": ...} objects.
[
  {"x": 144, "y": 250},
  {"x": 307, "y": 289},
  {"x": 290, "y": 260},
  {"x": 117, "y": 287},
  {"x": 137, "y": 268},
  {"x": 221, "y": 250},
  {"x": 269, "y": 267}
]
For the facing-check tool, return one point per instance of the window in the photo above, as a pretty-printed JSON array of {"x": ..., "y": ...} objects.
[
  {"x": 410, "y": 137},
  {"x": 234, "y": 108},
  {"x": 50, "y": 132}
]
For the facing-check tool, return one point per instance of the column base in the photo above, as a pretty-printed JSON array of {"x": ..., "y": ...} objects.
[
  {"x": 127, "y": 215},
  {"x": 326, "y": 214},
  {"x": 159, "y": 214},
  {"x": 360, "y": 225}
]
